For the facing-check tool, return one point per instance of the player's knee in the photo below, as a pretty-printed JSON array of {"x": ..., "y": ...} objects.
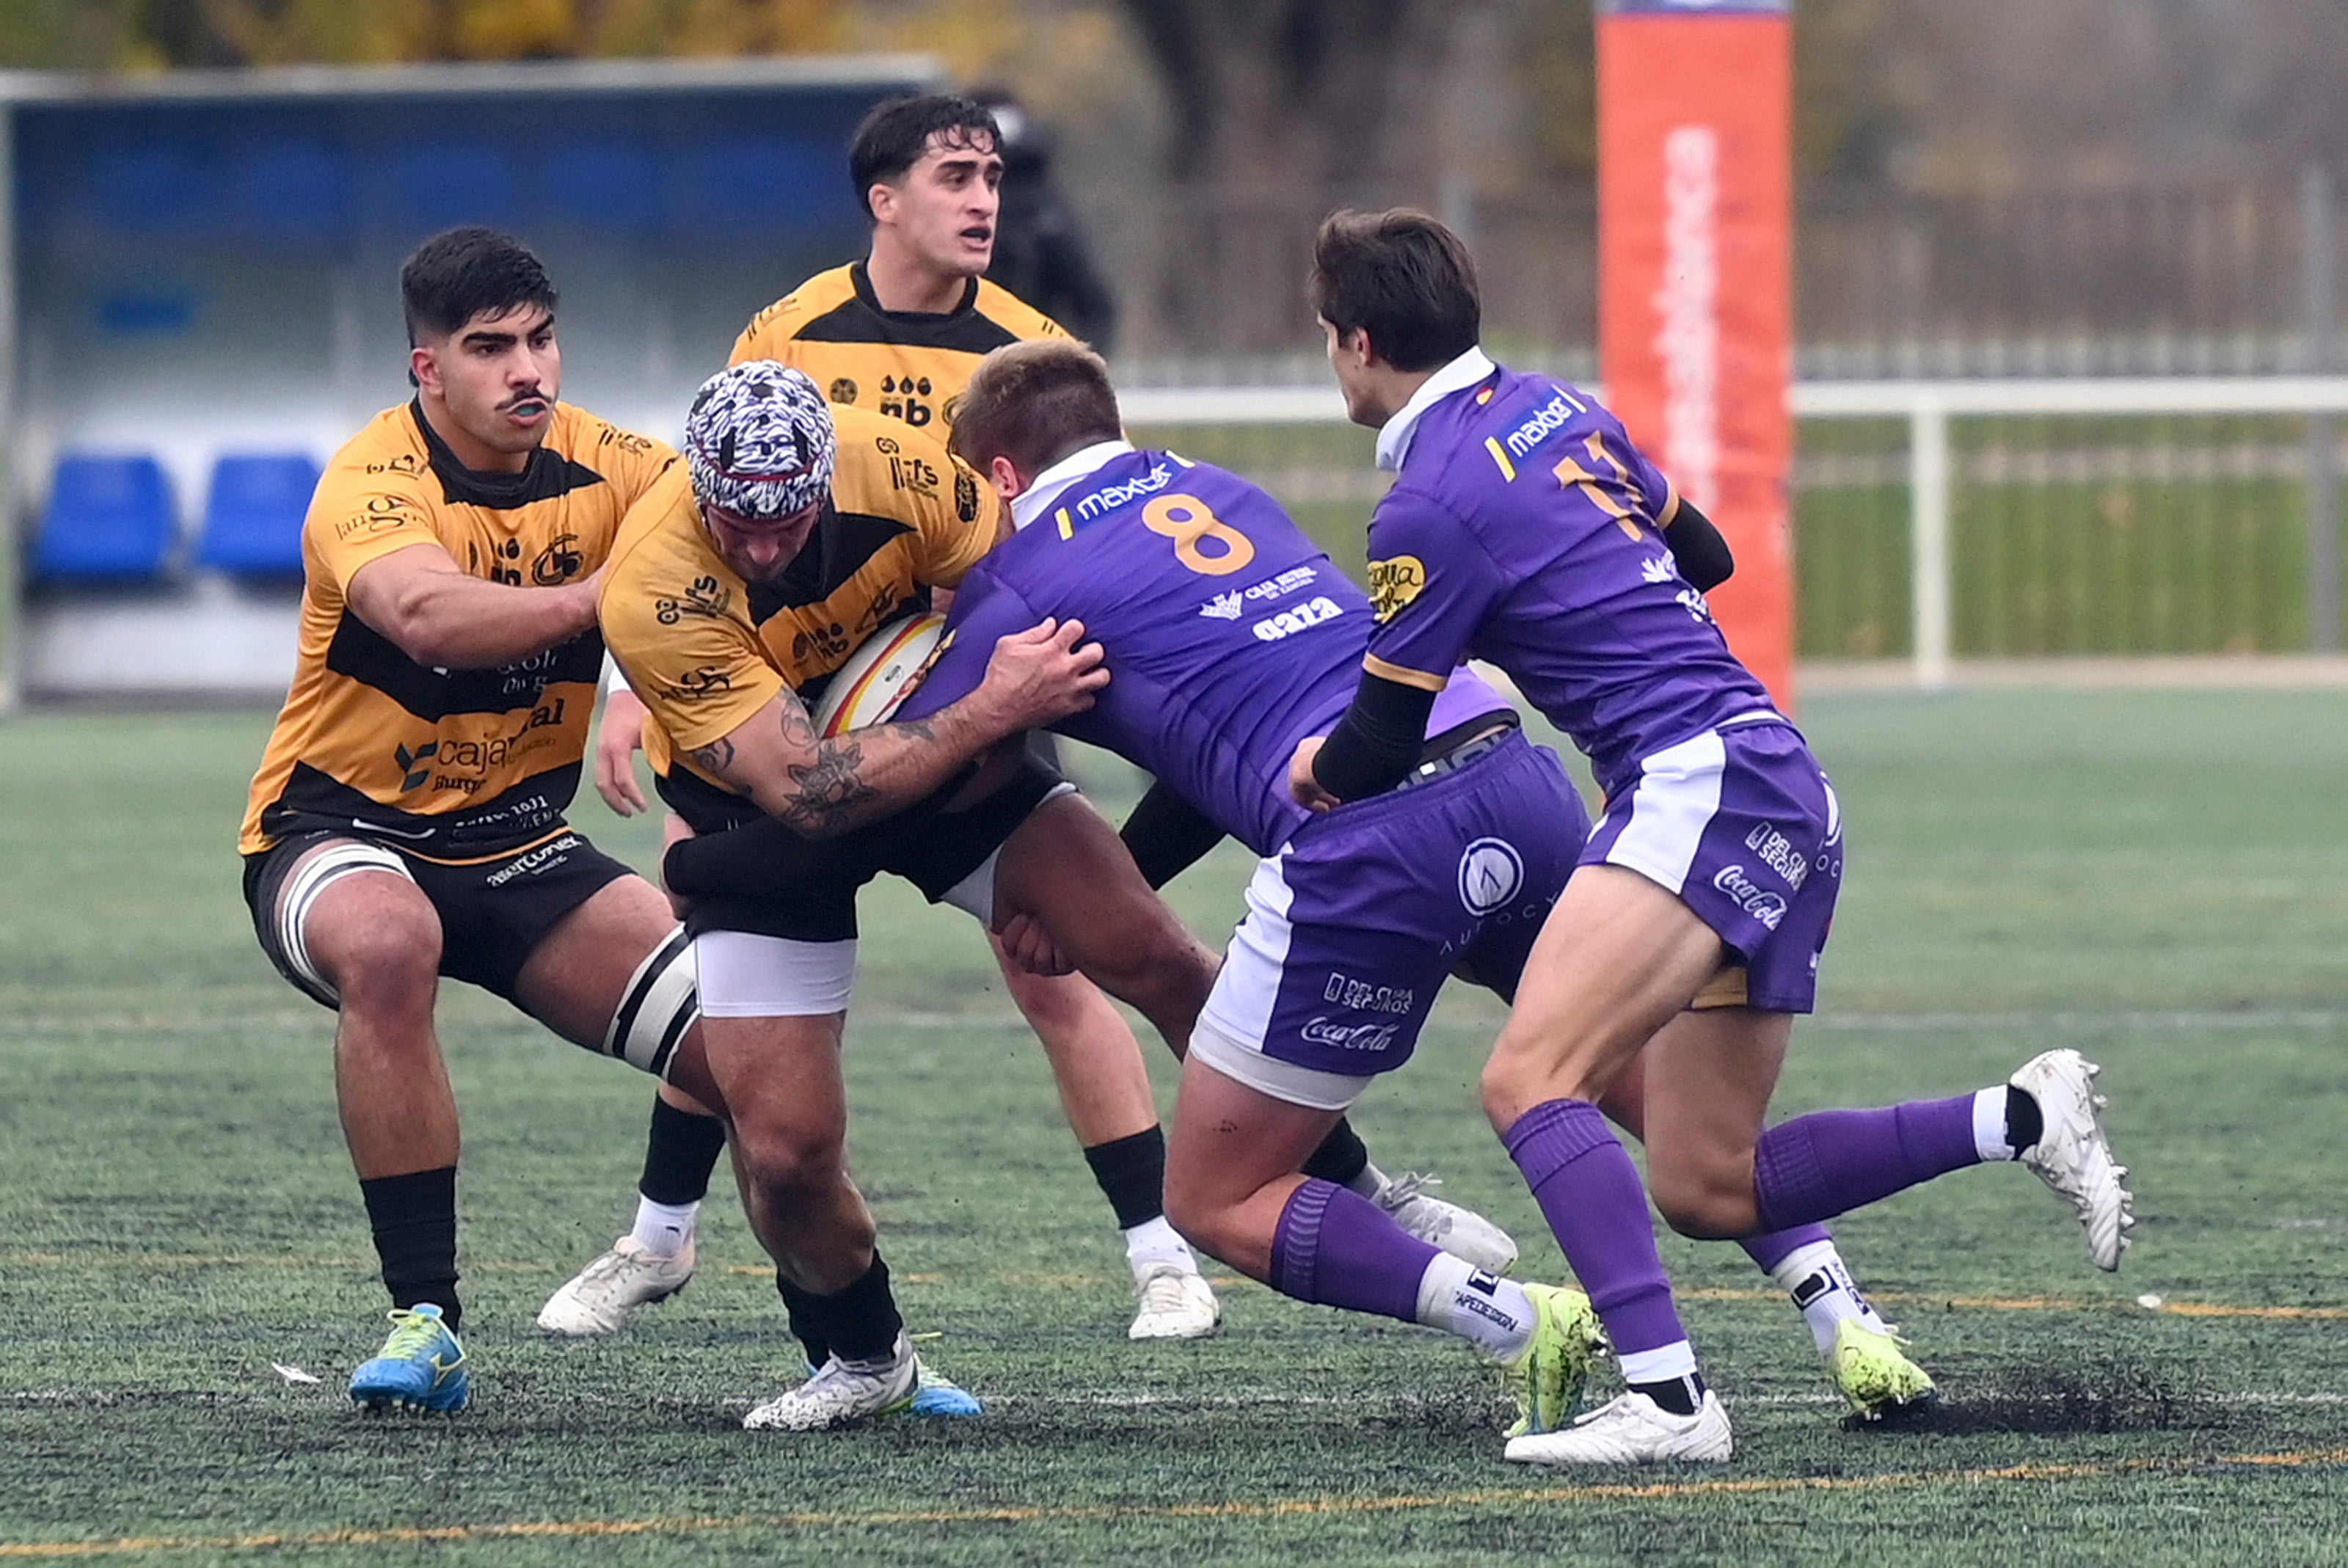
[
  {"x": 1704, "y": 1205},
  {"x": 789, "y": 1161},
  {"x": 1193, "y": 1210},
  {"x": 1507, "y": 1089},
  {"x": 391, "y": 958}
]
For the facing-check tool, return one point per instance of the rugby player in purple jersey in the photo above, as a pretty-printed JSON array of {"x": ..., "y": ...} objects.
[
  {"x": 1525, "y": 529},
  {"x": 1232, "y": 637}
]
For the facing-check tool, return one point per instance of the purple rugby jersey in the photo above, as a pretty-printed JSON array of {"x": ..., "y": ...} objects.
[
  {"x": 1230, "y": 635},
  {"x": 1527, "y": 530}
]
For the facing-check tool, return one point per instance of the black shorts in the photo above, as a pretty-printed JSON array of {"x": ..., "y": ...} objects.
[
  {"x": 493, "y": 914},
  {"x": 764, "y": 879}
]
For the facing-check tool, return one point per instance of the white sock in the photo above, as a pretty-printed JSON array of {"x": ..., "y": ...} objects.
[
  {"x": 1492, "y": 1313},
  {"x": 1989, "y": 1125},
  {"x": 1368, "y": 1182},
  {"x": 1661, "y": 1365},
  {"x": 1822, "y": 1287},
  {"x": 663, "y": 1230},
  {"x": 1155, "y": 1241}
]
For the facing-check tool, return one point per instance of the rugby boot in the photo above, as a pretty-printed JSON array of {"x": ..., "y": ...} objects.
[
  {"x": 1871, "y": 1372},
  {"x": 1463, "y": 1232},
  {"x": 844, "y": 1393},
  {"x": 420, "y": 1367},
  {"x": 1175, "y": 1303},
  {"x": 1547, "y": 1377},
  {"x": 1633, "y": 1429},
  {"x": 607, "y": 1291},
  {"x": 2074, "y": 1154}
]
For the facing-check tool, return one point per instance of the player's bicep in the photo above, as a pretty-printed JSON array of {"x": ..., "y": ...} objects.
[
  {"x": 1431, "y": 585},
  {"x": 385, "y": 589},
  {"x": 350, "y": 526}
]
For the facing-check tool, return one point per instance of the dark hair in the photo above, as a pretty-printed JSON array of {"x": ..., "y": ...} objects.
[
  {"x": 892, "y": 137},
  {"x": 1035, "y": 403},
  {"x": 1404, "y": 277},
  {"x": 459, "y": 273}
]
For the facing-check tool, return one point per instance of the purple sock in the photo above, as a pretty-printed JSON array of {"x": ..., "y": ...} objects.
[
  {"x": 1336, "y": 1248},
  {"x": 1774, "y": 1247},
  {"x": 1590, "y": 1193},
  {"x": 1817, "y": 1166}
]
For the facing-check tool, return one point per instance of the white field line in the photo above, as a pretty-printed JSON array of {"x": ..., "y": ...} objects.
[{"x": 1244, "y": 1399}]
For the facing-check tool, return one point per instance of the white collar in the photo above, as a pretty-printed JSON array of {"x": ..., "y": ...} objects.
[
  {"x": 1393, "y": 436},
  {"x": 1032, "y": 503}
]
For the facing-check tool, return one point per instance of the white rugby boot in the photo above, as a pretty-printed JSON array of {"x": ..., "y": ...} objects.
[
  {"x": 607, "y": 1291},
  {"x": 842, "y": 1393},
  {"x": 1633, "y": 1429},
  {"x": 1463, "y": 1232},
  {"x": 2074, "y": 1154},
  {"x": 1175, "y": 1303}
]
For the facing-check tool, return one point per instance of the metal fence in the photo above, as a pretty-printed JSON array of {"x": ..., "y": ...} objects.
[{"x": 1941, "y": 519}]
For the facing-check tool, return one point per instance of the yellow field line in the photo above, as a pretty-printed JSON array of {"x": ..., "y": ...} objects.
[
  {"x": 1078, "y": 1281},
  {"x": 1651, "y": 1492}
]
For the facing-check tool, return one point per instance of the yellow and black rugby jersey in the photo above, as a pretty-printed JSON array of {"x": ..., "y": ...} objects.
[
  {"x": 448, "y": 764},
  {"x": 909, "y": 364},
  {"x": 704, "y": 650}
]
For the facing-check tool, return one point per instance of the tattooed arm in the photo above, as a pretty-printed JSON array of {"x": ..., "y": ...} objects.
[{"x": 824, "y": 788}]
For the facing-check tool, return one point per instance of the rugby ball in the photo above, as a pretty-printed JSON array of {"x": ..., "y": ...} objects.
[{"x": 881, "y": 673}]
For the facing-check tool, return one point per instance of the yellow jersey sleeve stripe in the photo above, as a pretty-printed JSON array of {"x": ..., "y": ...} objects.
[
  {"x": 1373, "y": 664},
  {"x": 1508, "y": 469}
]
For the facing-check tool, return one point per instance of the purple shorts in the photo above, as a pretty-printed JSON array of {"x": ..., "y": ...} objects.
[
  {"x": 1354, "y": 926},
  {"x": 1740, "y": 823}
]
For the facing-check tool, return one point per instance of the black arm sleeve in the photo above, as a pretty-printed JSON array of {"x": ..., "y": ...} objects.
[
  {"x": 1377, "y": 742},
  {"x": 1703, "y": 555},
  {"x": 1166, "y": 835}
]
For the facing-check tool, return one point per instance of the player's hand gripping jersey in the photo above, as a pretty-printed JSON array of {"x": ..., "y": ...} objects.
[
  {"x": 704, "y": 650},
  {"x": 1527, "y": 530},
  {"x": 1230, "y": 635},
  {"x": 447, "y": 764}
]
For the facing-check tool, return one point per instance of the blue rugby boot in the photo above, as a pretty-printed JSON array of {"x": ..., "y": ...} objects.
[{"x": 420, "y": 1367}]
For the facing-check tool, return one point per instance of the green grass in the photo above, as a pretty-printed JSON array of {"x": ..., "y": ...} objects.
[{"x": 2157, "y": 879}]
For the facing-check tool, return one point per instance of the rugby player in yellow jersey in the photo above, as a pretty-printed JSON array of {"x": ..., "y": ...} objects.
[
  {"x": 739, "y": 585},
  {"x": 900, "y": 332},
  {"x": 406, "y": 822}
]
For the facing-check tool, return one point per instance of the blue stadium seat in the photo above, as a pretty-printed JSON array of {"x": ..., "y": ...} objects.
[
  {"x": 252, "y": 517},
  {"x": 109, "y": 521}
]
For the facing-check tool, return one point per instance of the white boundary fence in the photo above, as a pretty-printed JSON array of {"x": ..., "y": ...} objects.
[{"x": 1927, "y": 407}]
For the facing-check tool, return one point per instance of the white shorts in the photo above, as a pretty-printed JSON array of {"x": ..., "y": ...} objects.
[{"x": 741, "y": 975}]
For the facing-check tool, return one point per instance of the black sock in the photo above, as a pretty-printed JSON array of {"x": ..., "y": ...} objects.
[
  {"x": 859, "y": 1324},
  {"x": 1341, "y": 1157},
  {"x": 1132, "y": 1175},
  {"x": 806, "y": 1320},
  {"x": 1680, "y": 1395},
  {"x": 2023, "y": 1124},
  {"x": 680, "y": 1151},
  {"x": 414, "y": 1222}
]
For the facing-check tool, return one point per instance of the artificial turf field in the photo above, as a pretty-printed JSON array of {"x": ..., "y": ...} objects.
[{"x": 2160, "y": 879}]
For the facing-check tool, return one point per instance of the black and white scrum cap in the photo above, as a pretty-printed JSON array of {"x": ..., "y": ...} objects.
[{"x": 758, "y": 440}]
